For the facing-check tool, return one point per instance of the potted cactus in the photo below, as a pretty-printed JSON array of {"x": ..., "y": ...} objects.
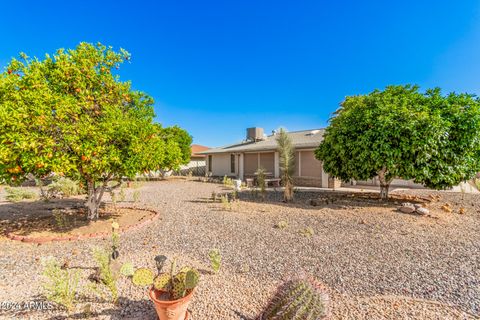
[{"x": 170, "y": 291}]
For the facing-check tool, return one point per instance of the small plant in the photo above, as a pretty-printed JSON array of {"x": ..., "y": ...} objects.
[
  {"x": 60, "y": 218},
  {"x": 215, "y": 259},
  {"x": 127, "y": 269},
  {"x": 175, "y": 285},
  {"x": 108, "y": 268},
  {"x": 307, "y": 232},
  {"x": 60, "y": 285},
  {"x": 261, "y": 176},
  {"x": 225, "y": 202},
  {"x": 65, "y": 186},
  {"x": 282, "y": 224},
  {"x": 121, "y": 194},
  {"x": 298, "y": 299},
  {"x": 136, "y": 196},
  {"x": 107, "y": 272},
  {"x": 18, "y": 194},
  {"x": 227, "y": 182},
  {"x": 214, "y": 196}
]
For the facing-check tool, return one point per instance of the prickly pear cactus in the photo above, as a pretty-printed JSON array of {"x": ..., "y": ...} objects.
[
  {"x": 191, "y": 279},
  {"x": 142, "y": 277},
  {"x": 178, "y": 290},
  {"x": 298, "y": 299},
  {"x": 162, "y": 282}
]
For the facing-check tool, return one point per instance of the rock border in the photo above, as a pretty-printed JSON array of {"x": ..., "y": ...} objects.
[{"x": 38, "y": 240}]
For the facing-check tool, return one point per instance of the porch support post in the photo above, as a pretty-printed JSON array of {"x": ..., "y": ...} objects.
[
  {"x": 240, "y": 167},
  {"x": 276, "y": 164}
]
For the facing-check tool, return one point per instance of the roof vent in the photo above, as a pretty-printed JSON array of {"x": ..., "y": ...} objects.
[
  {"x": 255, "y": 134},
  {"x": 313, "y": 132}
]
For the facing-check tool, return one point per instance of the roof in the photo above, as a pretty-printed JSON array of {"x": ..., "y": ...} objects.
[
  {"x": 301, "y": 140},
  {"x": 196, "y": 148}
]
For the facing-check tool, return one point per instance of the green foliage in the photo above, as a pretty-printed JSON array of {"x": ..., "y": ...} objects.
[
  {"x": 227, "y": 181},
  {"x": 60, "y": 218},
  {"x": 143, "y": 277},
  {"x": 402, "y": 133},
  {"x": 108, "y": 272},
  {"x": 127, "y": 269},
  {"x": 70, "y": 114},
  {"x": 215, "y": 259},
  {"x": 177, "y": 147},
  {"x": 66, "y": 187},
  {"x": 226, "y": 204},
  {"x": 59, "y": 285},
  {"x": 286, "y": 153},
  {"x": 261, "y": 176},
  {"x": 297, "y": 299},
  {"x": 18, "y": 194}
]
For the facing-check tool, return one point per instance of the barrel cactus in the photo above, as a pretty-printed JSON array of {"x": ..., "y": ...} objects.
[{"x": 300, "y": 298}]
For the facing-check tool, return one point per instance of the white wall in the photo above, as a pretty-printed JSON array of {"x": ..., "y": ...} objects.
[{"x": 221, "y": 165}]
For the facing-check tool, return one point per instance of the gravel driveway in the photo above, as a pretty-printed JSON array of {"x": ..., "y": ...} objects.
[{"x": 378, "y": 263}]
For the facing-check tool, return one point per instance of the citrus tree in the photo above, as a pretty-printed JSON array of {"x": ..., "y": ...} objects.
[
  {"x": 70, "y": 114},
  {"x": 403, "y": 133},
  {"x": 178, "y": 148}
]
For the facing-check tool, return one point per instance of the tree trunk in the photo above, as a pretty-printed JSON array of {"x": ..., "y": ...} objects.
[
  {"x": 94, "y": 199},
  {"x": 384, "y": 184},
  {"x": 288, "y": 192}
]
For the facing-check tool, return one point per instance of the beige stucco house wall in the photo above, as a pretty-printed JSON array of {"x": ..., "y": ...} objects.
[{"x": 242, "y": 160}]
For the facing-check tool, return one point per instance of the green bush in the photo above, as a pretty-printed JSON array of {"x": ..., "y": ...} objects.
[
  {"x": 66, "y": 187},
  {"x": 19, "y": 193},
  {"x": 60, "y": 285}
]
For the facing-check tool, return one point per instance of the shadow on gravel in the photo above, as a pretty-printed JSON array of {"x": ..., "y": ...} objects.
[
  {"x": 27, "y": 217},
  {"x": 314, "y": 200},
  {"x": 142, "y": 309}
]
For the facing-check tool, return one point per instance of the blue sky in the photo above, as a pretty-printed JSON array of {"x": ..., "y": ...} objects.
[{"x": 218, "y": 67}]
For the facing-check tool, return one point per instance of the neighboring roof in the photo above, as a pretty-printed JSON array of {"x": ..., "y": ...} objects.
[
  {"x": 196, "y": 148},
  {"x": 301, "y": 140}
]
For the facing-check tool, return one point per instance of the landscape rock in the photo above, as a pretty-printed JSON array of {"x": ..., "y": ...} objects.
[
  {"x": 422, "y": 211},
  {"x": 407, "y": 207}
]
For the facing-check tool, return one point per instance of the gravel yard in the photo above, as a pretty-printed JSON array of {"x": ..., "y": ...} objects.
[{"x": 377, "y": 263}]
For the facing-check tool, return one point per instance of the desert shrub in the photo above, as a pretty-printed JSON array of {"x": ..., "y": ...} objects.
[
  {"x": 18, "y": 194},
  {"x": 60, "y": 285},
  {"x": 107, "y": 272},
  {"x": 214, "y": 196},
  {"x": 60, "y": 218},
  {"x": 307, "y": 232},
  {"x": 261, "y": 176},
  {"x": 282, "y": 224},
  {"x": 66, "y": 187},
  {"x": 215, "y": 259},
  {"x": 227, "y": 182},
  {"x": 225, "y": 202}
]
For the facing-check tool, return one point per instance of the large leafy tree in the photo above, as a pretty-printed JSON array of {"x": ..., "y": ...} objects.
[
  {"x": 178, "y": 147},
  {"x": 401, "y": 132},
  {"x": 71, "y": 115}
]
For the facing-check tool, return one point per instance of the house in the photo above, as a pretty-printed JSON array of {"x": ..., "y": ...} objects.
[
  {"x": 197, "y": 161},
  {"x": 258, "y": 150}
]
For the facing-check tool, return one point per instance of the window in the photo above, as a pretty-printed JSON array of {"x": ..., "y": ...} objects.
[
  {"x": 210, "y": 163},
  {"x": 232, "y": 163}
]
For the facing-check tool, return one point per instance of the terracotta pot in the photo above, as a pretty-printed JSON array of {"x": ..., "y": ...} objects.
[{"x": 170, "y": 310}]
